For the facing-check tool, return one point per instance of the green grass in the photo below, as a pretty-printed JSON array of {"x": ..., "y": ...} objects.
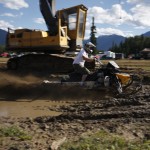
[
  {"x": 2, "y": 59},
  {"x": 105, "y": 141},
  {"x": 14, "y": 131},
  {"x": 143, "y": 64}
]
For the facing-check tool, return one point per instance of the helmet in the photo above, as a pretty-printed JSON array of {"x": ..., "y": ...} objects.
[{"x": 88, "y": 47}]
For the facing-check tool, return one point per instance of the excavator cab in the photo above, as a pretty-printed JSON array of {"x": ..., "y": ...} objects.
[
  {"x": 65, "y": 32},
  {"x": 74, "y": 19}
]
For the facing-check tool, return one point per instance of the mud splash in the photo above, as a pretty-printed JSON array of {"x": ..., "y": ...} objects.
[{"x": 24, "y": 95}]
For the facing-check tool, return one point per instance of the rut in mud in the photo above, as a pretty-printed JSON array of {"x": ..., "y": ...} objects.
[{"x": 109, "y": 113}]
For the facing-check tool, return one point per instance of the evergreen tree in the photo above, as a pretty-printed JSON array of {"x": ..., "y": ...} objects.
[
  {"x": 132, "y": 45},
  {"x": 2, "y": 48},
  {"x": 93, "y": 38}
]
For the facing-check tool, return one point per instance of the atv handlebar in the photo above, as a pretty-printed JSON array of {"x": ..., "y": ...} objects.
[{"x": 96, "y": 59}]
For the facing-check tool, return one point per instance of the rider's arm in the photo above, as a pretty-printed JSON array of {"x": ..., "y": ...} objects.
[{"x": 88, "y": 59}]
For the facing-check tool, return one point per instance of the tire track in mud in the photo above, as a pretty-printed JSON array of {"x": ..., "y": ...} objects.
[
  {"x": 119, "y": 115},
  {"x": 136, "y": 107}
]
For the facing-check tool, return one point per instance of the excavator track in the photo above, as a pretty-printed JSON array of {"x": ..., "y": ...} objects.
[{"x": 53, "y": 63}]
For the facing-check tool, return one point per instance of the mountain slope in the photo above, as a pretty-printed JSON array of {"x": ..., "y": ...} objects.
[
  {"x": 106, "y": 42},
  {"x": 3, "y": 34},
  {"x": 147, "y": 34}
]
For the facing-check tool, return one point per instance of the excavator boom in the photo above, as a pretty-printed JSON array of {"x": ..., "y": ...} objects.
[{"x": 47, "y": 8}]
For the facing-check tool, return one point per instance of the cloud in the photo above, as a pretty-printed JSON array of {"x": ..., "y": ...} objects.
[
  {"x": 8, "y": 15},
  {"x": 14, "y": 4},
  {"x": 141, "y": 15},
  {"x": 39, "y": 20},
  {"x": 5, "y": 25},
  {"x": 109, "y": 16},
  {"x": 11, "y": 15},
  {"x": 109, "y": 31},
  {"x": 134, "y": 1},
  {"x": 136, "y": 17},
  {"x": 138, "y": 1}
]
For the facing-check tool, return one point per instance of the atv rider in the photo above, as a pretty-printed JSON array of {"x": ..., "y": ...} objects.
[{"x": 80, "y": 59}]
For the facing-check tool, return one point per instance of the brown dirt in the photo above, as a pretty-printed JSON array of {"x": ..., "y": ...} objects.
[{"x": 49, "y": 113}]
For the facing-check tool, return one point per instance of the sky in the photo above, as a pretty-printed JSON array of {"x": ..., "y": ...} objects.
[{"x": 122, "y": 17}]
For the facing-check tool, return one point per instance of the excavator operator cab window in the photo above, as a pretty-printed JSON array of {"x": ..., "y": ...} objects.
[
  {"x": 81, "y": 23},
  {"x": 72, "y": 21}
]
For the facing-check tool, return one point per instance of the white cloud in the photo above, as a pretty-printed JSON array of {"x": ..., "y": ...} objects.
[
  {"x": 5, "y": 25},
  {"x": 139, "y": 27},
  {"x": 11, "y": 15},
  {"x": 110, "y": 16},
  {"x": 8, "y": 15},
  {"x": 135, "y": 18},
  {"x": 141, "y": 15},
  {"x": 138, "y": 1},
  {"x": 14, "y": 4},
  {"x": 109, "y": 31},
  {"x": 39, "y": 21},
  {"x": 134, "y": 1}
]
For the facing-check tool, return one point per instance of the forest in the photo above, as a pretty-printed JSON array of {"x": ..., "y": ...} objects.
[{"x": 132, "y": 45}]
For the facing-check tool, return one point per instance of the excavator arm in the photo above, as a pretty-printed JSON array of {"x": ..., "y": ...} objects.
[{"x": 47, "y": 8}]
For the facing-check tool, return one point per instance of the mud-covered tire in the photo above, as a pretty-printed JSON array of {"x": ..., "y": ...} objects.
[
  {"x": 12, "y": 65},
  {"x": 116, "y": 86},
  {"x": 134, "y": 87}
]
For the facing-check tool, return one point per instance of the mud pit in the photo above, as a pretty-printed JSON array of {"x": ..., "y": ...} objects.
[{"x": 49, "y": 113}]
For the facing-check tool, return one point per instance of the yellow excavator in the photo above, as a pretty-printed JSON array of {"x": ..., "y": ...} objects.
[{"x": 52, "y": 48}]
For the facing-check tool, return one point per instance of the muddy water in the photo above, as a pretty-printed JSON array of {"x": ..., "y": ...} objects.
[
  {"x": 25, "y": 108},
  {"x": 20, "y": 97},
  {"x": 23, "y": 95}
]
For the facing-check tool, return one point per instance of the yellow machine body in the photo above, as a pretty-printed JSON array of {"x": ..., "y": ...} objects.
[
  {"x": 124, "y": 77},
  {"x": 32, "y": 39},
  {"x": 70, "y": 34}
]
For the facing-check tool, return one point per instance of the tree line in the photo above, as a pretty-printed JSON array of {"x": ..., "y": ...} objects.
[
  {"x": 2, "y": 49},
  {"x": 132, "y": 45}
]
